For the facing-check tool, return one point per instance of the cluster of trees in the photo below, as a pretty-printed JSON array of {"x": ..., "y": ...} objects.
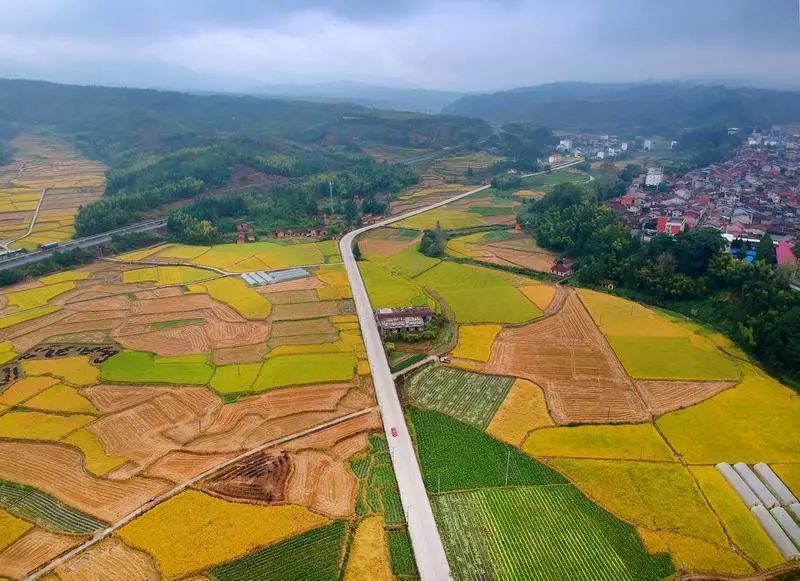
[
  {"x": 433, "y": 242},
  {"x": 125, "y": 208},
  {"x": 752, "y": 302}
]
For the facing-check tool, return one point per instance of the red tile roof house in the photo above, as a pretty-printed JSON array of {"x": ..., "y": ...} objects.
[
  {"x": 785, "y": 254},
  {"x": 562, "y": 268},
  {"x": 671, "y": 226}
]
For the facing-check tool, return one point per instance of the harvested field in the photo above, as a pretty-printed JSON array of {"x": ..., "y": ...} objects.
[
  {"x": 322, "y": 483},
  {"x": 294, "y": 312},
  {"x": 180, "y": 466},
  {"x": 258, "y": 478},
  {"x": 306, "y": 327},
  {"x": 523, "y": 411},
  {"x": 33, "y": 550},
  {"x": 339, "y": 437},
  {"x": 291, "y": 286},
  {"x": 386, "y": 241},
  {"x": 666, "y": 396},
  {"x": 568, "y": 357},
  {"x": 292, "y": 297},
  {"x": 110, "y": 559},
  {"x": 158, "y": 425},
  {"x": 235, "y": 355},
  {"x": 58, "y": 470}
]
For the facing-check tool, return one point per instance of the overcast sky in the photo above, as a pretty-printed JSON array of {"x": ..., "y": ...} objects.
[{"x": 472, "y": 45}]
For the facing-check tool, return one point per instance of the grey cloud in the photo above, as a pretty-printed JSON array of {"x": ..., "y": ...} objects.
[{"x": 464, "y": 45}]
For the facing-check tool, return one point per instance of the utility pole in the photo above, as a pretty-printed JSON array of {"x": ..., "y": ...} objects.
[{"x": 508, "y": 461}]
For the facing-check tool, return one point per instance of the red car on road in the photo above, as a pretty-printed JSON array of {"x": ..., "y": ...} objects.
[{"x": 394, "y": 432}]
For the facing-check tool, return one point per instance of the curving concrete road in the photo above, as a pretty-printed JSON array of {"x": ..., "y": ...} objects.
[{"x": 428, "y": 549}]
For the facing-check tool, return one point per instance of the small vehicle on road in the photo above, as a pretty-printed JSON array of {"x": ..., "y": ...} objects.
[
  {"x": 394, "y": 432},
  {"x": 48, "y": 246}
]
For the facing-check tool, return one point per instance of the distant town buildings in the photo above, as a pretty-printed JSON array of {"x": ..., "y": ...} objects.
[{"x": 755, "y": 192}]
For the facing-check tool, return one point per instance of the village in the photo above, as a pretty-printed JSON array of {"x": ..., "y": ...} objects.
[{"x": 754, "y": 193}]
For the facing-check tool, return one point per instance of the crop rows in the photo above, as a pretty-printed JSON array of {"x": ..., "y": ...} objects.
[
  {"x": 311, "y": 556},
  {"x": 42, "y": 509},
  {"x": 536, "y": 532},
  {"x": 470, "y": 397},
  {"x": 392, "y": 507},
  {"x": 401, "y": 552}
]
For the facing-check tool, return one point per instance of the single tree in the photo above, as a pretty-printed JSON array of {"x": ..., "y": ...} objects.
[{"x": 766, "y": 250}]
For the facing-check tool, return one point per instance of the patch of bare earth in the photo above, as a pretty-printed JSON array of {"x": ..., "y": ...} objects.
[
  {"x": 180, "y": 466},
  {"x": 322, "y": 483},
  {"x": 258, "y": 478},
  {"x": 666, "y": 396},
  {"x": 570, "y": 359}
]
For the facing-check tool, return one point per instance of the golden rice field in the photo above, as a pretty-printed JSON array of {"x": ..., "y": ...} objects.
[
  {"x": 47, "y": 173},
  {"x": 475, "y": 341}
]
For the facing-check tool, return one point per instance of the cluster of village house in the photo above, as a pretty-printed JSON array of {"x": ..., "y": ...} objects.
[
  {"x": 598, "y": 147},
  {"x": 755, "y": 192}
]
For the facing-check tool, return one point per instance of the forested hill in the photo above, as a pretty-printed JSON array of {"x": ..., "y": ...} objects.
[
  {"x": 658, "y": 108},
  {"x": 117, "y": 124}
]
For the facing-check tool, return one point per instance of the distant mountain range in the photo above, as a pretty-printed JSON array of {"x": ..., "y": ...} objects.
[
  {"x": 643, "y": 108},
  {"x": 373, "y": 96}
]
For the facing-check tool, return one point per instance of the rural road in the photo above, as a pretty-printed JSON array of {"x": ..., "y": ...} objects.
[
  {"x": 35, "y": 216},
  {"x": 153, "y": 502},
  {"x": 428, "y": 548}
]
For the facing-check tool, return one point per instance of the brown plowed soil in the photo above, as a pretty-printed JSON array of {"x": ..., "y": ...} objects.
[
  {"x": 33, "y": 550},
  {"x": 232, "y": 440},
  {"x": 58, "y": 470},
  {"x": 300, "y": 284},
  {"x": 360, "y": 397},
  {"x": 279, "y": 427},
  {"x": 160, "y": 293},
  {"x": 110, "y": 560},
  {"x": 181, "y": 466},
  {"x": 305, "y": 311},
  {"x": 152, "y": 428},
  {"x": 244, "y": 354},
  {"x": 569, "y": 358},
  {"x": 666, "y": 396},
  {"x": 258, "y": 478}
]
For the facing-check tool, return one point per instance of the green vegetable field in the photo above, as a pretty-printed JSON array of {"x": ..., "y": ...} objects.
[
  {"x": 540, "y": 532},
  {"x": 470, "y": 397}
]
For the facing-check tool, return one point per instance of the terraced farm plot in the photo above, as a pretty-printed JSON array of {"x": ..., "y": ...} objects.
[
  {"x": 547, "y": 181},
  {"x": 515, "y": 249},
  {"x": 756, "y": 421},
  {"x": 469, "y": 397},
  {"x": 630, "y": 442},
  {"x": 650, "y": 346},
  {"x": 11, "y": 528},
  {"x": 193, "y": 531},
  {"x": 653, "y": 495},
  {"x": 390, "y": 290},
  {"x": 368, "y": 558},
  {"x": 478, "y": 295},
  {"x": 142, "y": 367},
  {"x": 523, "y": 410},
  {"x": 32, "y": 425},
  {"x": 311, "y": 556},
  {"x": 305, "y": 369},
  {"x": 249, "y": 257},
  {"x": 539, "y": 532},
  {"x": 243, "y": 299},
  {"x": 456, "y": 456},
  {"x": 44, "y": 510}
]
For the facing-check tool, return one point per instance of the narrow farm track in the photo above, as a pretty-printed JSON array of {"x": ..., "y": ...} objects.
[
  {"x": 429, "y": 550},
  {"x": 35, "y": 216},
  {"x": 152, "y": 503}
]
